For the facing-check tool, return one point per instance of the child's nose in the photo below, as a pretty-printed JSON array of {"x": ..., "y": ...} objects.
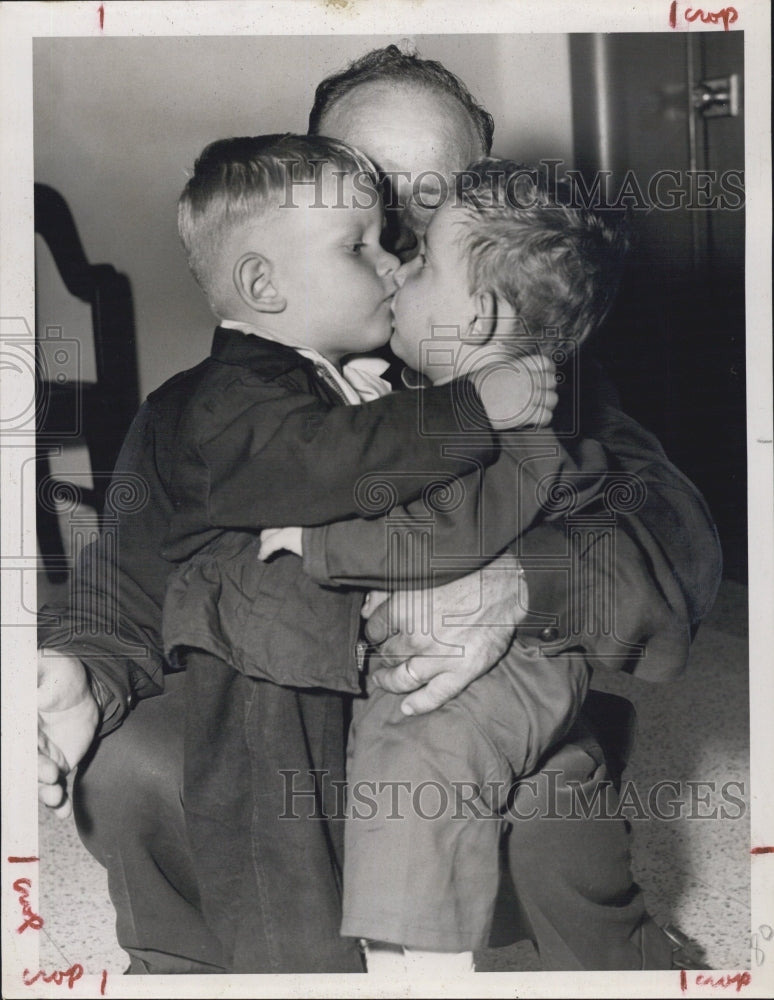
[
  {"x": 400, "y": 275},
  {"x": 403, "y": 272},
  {"x": 388, "y": 264}
]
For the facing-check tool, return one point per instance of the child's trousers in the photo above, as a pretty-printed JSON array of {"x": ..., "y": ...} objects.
[
  {"x": 204, "y": 810},
  {"x": 570, "y": 886},
  {"x": 429, "y": 796}
]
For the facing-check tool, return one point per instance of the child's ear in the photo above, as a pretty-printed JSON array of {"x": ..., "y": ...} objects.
[
  {"x": 253, "y": 281},
  {"x": 483, "y": 327}
]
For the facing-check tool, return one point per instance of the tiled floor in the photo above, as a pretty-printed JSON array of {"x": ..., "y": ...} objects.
[{"x": 695, "y": 872}]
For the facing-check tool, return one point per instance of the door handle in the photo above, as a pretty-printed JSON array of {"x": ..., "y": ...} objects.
[{"x": 718, "y": 97}]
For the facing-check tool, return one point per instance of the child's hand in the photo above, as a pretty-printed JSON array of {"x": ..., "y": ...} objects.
[
  {"x": 280, "y": 539},
  {"x": 518, "y": 391}
]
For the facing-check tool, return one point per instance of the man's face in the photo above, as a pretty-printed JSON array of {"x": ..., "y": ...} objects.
[
  {"x": 433, "y": 308},
  {"x": 330, "y": 267},
  {"x": 413, "y": 135}
]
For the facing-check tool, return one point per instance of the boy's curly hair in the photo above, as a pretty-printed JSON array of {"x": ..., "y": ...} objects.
[{"x": 556, "y": 263}]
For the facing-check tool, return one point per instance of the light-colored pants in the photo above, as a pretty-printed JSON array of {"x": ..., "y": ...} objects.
[{"x": 427, "y": 793}]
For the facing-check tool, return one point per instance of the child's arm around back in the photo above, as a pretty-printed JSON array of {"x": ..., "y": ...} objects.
[{"x": 256, "y": 452}]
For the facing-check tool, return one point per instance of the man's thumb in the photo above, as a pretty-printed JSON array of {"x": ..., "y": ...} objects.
[{"x": 378, "y": 625}]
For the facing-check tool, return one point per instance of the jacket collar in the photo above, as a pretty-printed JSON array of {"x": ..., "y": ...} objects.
[{"x": 272, "y": 359}]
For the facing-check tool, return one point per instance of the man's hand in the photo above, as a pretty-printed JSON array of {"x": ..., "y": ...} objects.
[
  {"x": 435, "y": 642},
  {"x": 279, "y": 540},
  {"x": 68, "y": 716},
  {"x": 374, "y": 599},
  {"x": 517, "y": 391}
]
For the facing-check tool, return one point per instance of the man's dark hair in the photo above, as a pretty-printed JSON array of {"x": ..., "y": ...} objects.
[{"x": 391, "y": 64}]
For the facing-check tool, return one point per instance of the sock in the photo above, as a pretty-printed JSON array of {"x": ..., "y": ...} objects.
[
  {"x": 391, "y": 960},
  {"x": 384, "y": 960},
  {"x": 447, "y": 964}
]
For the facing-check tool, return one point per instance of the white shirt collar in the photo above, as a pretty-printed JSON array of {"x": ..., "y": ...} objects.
[{"x": 359, "y": 379}]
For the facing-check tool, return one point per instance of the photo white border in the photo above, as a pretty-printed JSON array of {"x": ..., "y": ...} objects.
[{"x": 19, "y": 24}]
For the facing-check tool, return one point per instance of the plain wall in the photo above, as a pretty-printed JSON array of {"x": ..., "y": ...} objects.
[{"x": 118, "y": 123}]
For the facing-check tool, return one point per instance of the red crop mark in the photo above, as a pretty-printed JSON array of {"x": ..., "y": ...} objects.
[
  {"x": 69, "y": 976},
  {"x": 21, "y": 861},
  {"x": 762, "y": 850},
  {"x": 32, "y": 920},
  {"x": 725, "y": 16},
  {"x": 739, "y": 979},
  {"x": 101, "y": 13}
]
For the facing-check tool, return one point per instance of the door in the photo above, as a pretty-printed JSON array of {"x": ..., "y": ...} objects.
[{"x": 659, "y": 119}]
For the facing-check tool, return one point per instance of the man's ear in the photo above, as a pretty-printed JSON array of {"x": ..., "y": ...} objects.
[
  {"x": 483, "y": 327},
  {"x": 253, "y": 280}
]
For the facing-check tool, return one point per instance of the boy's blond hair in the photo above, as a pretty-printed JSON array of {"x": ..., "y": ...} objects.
[
  {"x": 235, "y": 180},
  {"x": 556, "y": 264}
]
